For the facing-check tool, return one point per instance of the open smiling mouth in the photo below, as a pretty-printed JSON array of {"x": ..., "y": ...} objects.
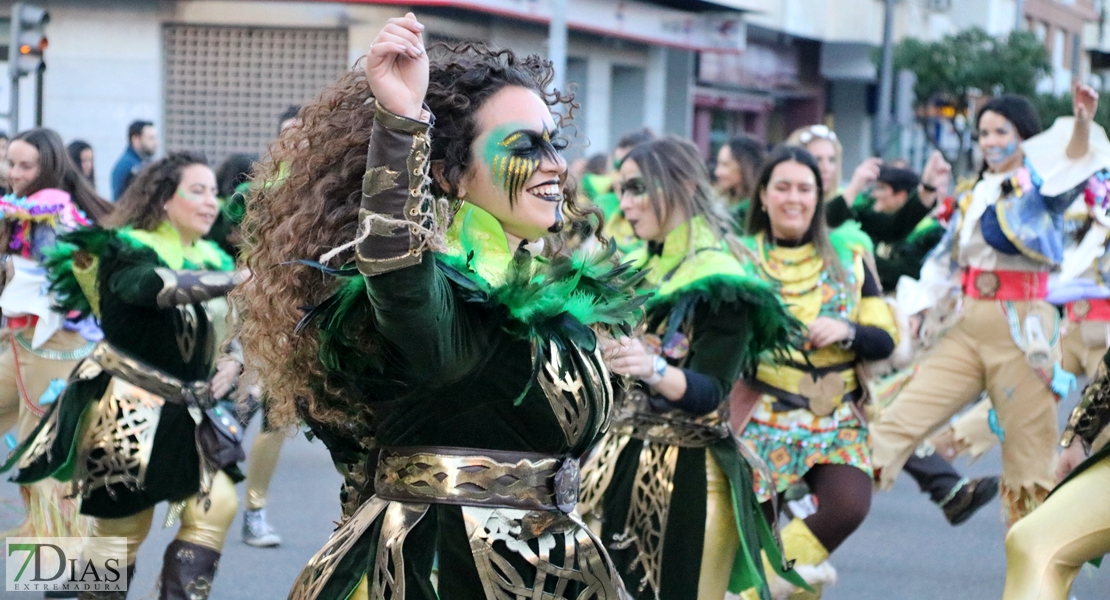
[{"x": 548, "y": 191}]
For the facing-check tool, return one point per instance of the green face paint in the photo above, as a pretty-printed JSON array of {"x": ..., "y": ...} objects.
[{"x": 513, "y": 155}]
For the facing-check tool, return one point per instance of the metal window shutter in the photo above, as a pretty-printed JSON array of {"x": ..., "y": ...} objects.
[{"x": 225, "y": 87}]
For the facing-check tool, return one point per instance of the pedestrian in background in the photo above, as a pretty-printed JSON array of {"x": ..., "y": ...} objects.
[
  {"x": 142, "y": 144},
  {"x": 82, "y": 154}
]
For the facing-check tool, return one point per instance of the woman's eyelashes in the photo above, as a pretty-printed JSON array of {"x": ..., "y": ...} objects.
[
  {"x": 634, "y": 186},
  {"x": 520, "y": 154}
]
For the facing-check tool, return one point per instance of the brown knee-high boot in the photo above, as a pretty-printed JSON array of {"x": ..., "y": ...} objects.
[{"x": 187, "y": 571}]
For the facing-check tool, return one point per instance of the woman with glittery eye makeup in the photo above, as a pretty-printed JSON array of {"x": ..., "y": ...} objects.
[
  {"x": 697, "y": 531},
  {"x": 986, "y": 285},
  {"x": 157, "y": 289},
  {"x": 452, "y": 366}
]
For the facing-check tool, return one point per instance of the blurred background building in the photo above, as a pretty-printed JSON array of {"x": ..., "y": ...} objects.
[{"x": 215, "y": 74}]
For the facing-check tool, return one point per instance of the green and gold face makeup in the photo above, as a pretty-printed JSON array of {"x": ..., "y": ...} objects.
[{"x": 513, "y": 154}]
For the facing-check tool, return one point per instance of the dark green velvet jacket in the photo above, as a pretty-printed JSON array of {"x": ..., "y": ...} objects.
[
  {"x": 473, "y": 347},
  {"x": 154, "y": 305}
]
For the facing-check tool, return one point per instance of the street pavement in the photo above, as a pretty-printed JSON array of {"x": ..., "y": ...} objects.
[{"x": 905, "y": 550}]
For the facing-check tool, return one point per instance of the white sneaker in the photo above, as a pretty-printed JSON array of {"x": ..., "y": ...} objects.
[{"x": 257, "y": 532}]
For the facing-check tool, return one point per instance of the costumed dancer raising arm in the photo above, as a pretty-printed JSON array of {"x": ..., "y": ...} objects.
[
  {"x": 125, "y": 430},
  {"x": 991, "y": 269},
  {"x": 806, "y": 420},
  {"x": 453, "y": 375},
  {"x": 49, "y": 197},
  {"x": 668, "y": 482}
]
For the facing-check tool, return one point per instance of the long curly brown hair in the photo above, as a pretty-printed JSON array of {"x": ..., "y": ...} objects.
[{"x": 306, "y": 201}]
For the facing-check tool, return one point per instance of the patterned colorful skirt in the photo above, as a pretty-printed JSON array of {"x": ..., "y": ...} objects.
[{"x": 792, "y": 442}]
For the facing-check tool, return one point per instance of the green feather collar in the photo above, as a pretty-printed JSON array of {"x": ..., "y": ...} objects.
[{"x": 166, "y": 243}]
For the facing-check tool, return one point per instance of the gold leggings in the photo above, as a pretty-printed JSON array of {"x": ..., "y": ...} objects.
[
  {"x": 206, "y": 528},
  {"x": 1045, "y": 550},
  {"x": 260, "y": 468}
]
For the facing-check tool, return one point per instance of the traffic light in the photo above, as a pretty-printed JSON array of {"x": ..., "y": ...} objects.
[{"x": 28, "y": 39}]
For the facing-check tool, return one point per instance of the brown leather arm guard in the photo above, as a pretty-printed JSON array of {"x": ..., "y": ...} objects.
[{"x": 398, "y": 218}]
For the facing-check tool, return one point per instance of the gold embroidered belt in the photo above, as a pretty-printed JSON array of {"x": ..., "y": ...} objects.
[
  {"x": 151, "y": 379},
  {"x": 665, "y": 429},
  {"x": 474, "y": 477}
]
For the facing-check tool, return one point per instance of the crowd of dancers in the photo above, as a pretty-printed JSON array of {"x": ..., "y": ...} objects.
[{"x": 631, "y": 381}]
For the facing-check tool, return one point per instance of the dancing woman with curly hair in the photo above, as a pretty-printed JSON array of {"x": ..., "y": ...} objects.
[{"x": 452, "y": 367}]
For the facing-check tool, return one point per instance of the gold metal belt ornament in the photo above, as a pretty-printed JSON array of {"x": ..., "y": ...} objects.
[
  {"x": 670, "y": 431},
  {"x": 475, "y": 477},
  {"x": 151, "y": 379},
  {"x": 635, "y": 418}
]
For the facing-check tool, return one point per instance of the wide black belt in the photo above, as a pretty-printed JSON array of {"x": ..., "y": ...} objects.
[{"x": 477, "y": 477}]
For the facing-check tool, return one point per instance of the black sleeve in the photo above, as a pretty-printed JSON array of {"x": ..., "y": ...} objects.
[
  {"x": 870, "y": 287},
  {"x": 837, "y": 211},
  {"x": 702, "y": 394},
  {"x": 871, "y": 343}
]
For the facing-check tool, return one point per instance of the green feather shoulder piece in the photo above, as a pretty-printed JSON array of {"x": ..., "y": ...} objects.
[
  {"x": 706, "y": 270},
  {"x": 848, "y": 239},
  {"x": 559, "y": 298},
  {"x": 72, "y": 265}
]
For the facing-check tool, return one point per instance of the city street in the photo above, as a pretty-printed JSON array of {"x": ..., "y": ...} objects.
[{"x": 904, "y": 551}]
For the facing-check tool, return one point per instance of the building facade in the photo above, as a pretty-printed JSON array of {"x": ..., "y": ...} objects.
[{"x": 215, "y": 74}]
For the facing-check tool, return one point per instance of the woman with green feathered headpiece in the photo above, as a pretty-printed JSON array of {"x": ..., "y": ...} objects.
[
  {"x": 803, "y": 415},
  {"x": 669, "y": 483}
]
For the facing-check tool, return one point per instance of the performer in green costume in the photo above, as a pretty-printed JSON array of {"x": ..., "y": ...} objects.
[
  {"x": 669, "y": 483},
  {"x": 135, "y": 425},
  {"x": 452, "y": 368}
]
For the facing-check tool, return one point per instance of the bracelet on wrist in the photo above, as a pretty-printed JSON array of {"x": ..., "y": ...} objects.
[
  {"x": 928, "y": 188},
  {"x": 850, "y": 339},
  {"x": 659, "y": 367}
]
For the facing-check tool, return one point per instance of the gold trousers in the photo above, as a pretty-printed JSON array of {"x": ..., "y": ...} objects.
[
  {"x": 204, "y": 527},
  {"x": 1045, "y": 550},
  {"x": 978, "y": 354},
  {"x": 721, "y": 538},
  {"x": 261, "y": 465}
]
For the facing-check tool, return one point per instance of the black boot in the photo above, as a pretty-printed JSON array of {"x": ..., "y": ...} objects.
[
  {"x": 107, "y": 595},
  {"x": 187, "y": 571},
  {"x": 969, "y": 498}
]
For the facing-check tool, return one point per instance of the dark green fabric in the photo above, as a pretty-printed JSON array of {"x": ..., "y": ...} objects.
[
  {"x": 906, "y": 258},
  {"x": 717, "y": 330},
  {"x": 133, "y": 323},
  {"x": 451, "y": 367},
  {"x": 881, "y": 227},
  {"x": 900, "y": 245},
  {"x": 739, "y": 214}
]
